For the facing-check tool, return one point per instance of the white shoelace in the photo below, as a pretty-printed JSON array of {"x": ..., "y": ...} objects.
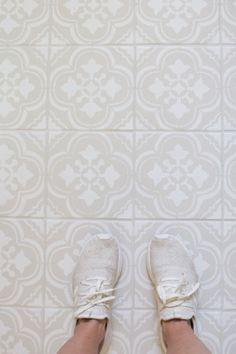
[
  {"x": 98, "y": 293},
  {"x": 172, "y": 294}
]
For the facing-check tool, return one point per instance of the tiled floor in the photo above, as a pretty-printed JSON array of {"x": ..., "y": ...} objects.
[{"x": 116, "y": 116}]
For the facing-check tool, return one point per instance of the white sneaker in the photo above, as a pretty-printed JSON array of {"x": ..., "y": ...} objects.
[
  {"x": 173, "y": 274},
  {"x": 96, "y": 274}
]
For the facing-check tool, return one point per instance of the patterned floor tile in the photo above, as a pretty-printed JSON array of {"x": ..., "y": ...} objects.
[
  {"x": 178, "y": 175},
  {"x": 22, "y": 173},
  {"x": 23, "y": 87},
  {"x": 22, "y": 262},
  {"x": 24, "y": 22},
  {"x": 90, "y": 175},
  {"x": 92, "y": 21},
  {"x": 178, "y": 88},
  {"x": 177, "y": 21}
]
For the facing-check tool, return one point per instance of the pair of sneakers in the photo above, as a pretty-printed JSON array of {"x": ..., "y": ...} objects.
[{"x": 170, "y": 269}]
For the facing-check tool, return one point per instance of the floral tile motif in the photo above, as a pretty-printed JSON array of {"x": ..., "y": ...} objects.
[
  {"x": 178, "y": 88},
  {"x": 178, "y": 175},
  {"x": 59, "y": 327},
  {"x": 23, "y": 87},
  {"x": 64, "y": 241},
  {"x": 21, "y": 254},
  {"x": 176, "y": 21},
  {"x": 24, "y": 22},
  {"x": 204, "y": 242},
  {"x": 91, "y": 88},
  {"x": 229, "y": 21},
  {"x": 22, "y": 173},
  {"x": 229, "y": 87},
  {"x": 90, "y": 175},
  {"x": 229, "y": 175},
  {"x": 229, "y": 254},
  {"x": 92, "y": 21},
  {"x": 21, "y": 330}
]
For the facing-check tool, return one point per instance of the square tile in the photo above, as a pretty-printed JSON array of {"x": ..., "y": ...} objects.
[
  {"x": 204, "y": 242},
  {"x": 22, "y": 261},
  {"x": 23, "y": 87},
  {"x": 22, "y": 173},
  {"x": 229, "y": 266},
  {"x": 21, "y": 330},
  {"x": 91, "y": 88},
  {"x": 178, "y": 88},
  {"x": 177, "y": 21},
  {"x": 90, "y": 175},
  {"x": 229, "y": 175},
  {"x": 92, "y": 22},
  {"x": 64, "y": 241},
  {"x": 178, "y": 175},
  {"x": 229, "y": 21},
  {"x": 24, "y": 22},
  {"x": 229, "y": 87}
]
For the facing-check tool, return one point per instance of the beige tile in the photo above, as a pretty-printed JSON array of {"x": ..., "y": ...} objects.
[
  {"x": 229, "y": 87},
  {"x": 229, "y": 267},
  {"x": 178, "y": 175},
  {"x": 22, "y": 173},
  {"x": 209, "y": 326},
  {"x": 177, "y": 21},
  {"x": 92, "y": 22},
  {"x": 24, "y": 22},
  {"x": 94, "y": 90},
  {"x": 22, "y": 262},
  {"x": 229, "y": 175},
  {"x": 59, "y": 327},
  {"x": 229, "y": 332},
  {"x": 90, "y": 175},
  {"x": 23, "y": 87},
  {"x": 178, "y": 88},
  {"x": 146, "y": 332},
  {"x": 21, "y": 330},
  {"x": 228, "y": 21}
]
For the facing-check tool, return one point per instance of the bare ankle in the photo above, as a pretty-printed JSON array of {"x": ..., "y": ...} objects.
[
  {"x": 95, "y": 326},
  {"x": 175, "y": 327}
]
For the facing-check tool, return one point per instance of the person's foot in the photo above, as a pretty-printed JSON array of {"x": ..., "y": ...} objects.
[
  {"x": 174, "y": 277},
  {"x": 95, "y": 277}
]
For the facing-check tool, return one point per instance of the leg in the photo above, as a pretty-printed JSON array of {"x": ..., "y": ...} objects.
[
  {"x": 87, "y": 338},
  {"x": 180, "y": 339}
]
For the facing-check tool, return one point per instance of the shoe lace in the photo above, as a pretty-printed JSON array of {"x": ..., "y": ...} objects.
[
  {"x": 174, "y": 291},
  {"x": 99, "y": 293}
]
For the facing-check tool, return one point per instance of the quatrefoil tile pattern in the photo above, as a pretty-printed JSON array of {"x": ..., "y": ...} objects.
[{"x": 116, "y": 116}]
